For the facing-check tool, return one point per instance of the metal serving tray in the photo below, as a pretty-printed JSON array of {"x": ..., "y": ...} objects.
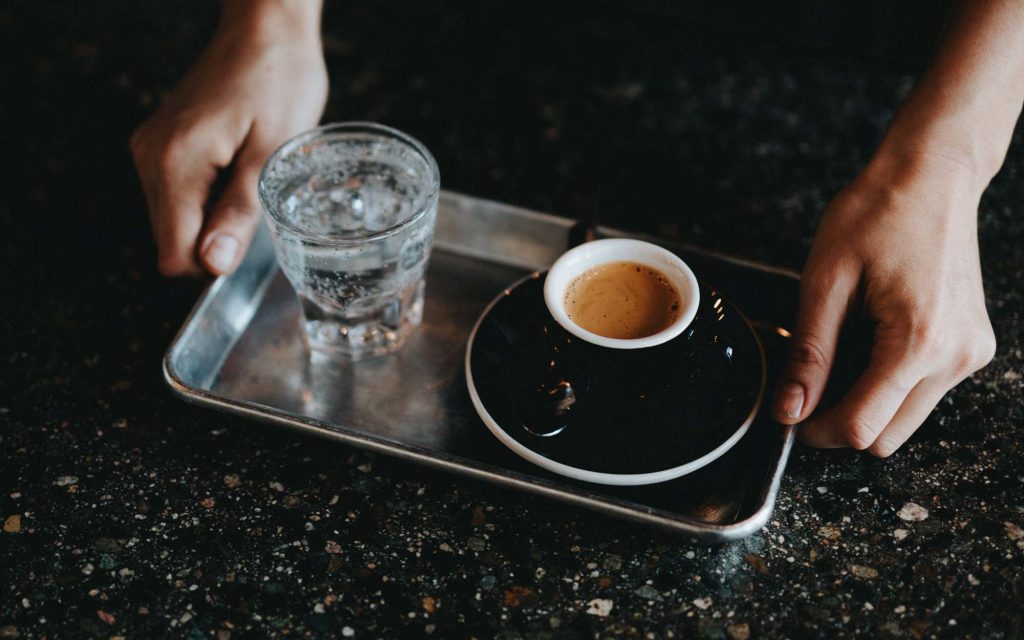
[{"x": 240, "y": 351}]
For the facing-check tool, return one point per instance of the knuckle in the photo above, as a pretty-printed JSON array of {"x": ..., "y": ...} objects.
[
  {"x": 169, "y": 156},
  {"x": 179, "y": 145},
  {"x": 964, "y": 365},
  {"x": 807, "y": 351},
  {"x": 214, "y": 143},
  {"x": 976, "y": 353},
  {"x": 985, "y": 348},
  {"x": 859, "y": 433},
  {"x": 927, "y": 340},
  {"x": 215, "y": 149}
]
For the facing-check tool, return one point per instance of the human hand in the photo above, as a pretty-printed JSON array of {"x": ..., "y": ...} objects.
[
  {"x": 901, "y": 240},
  {"x": 261, "y": 80}
]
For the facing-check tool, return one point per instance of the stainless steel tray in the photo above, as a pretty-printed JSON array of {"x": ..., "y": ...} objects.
[{"x": 240, "y": 351}]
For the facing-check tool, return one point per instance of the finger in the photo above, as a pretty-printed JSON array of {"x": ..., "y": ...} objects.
[
  {"x": 180, "y": 196},
  {"x": 824, "y": 301},
  {"x": 868, "y": 407},
  {"x": 140, "y": 159},
  {"x": 914, "y": 411},
  {"x": 177, "y": 221},
  {"x": 234, "y": 218}
]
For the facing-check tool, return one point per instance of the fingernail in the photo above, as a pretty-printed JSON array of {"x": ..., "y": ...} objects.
[
  {"x": 789, "y": 401},
  {"x": 221, "y": 252}
]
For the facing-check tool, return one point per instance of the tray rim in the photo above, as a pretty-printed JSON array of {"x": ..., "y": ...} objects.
[{"x": 470, "y": 468}]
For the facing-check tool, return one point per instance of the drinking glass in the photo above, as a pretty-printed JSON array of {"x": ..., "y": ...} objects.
[{"x": 351, "y": 208}]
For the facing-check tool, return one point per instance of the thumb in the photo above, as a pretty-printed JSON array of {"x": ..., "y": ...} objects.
[
  {"x": 825, "y": 296},
  {"x": 233, "y": 221}
]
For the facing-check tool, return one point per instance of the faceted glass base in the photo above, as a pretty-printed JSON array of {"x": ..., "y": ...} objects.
[{"x": 382, "y": 331}]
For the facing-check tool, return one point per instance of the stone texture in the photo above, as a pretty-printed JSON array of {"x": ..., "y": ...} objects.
[{"x": 128, "y": 513}]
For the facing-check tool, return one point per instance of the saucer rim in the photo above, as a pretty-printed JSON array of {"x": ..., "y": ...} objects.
[{"x": 601, "y": 477}]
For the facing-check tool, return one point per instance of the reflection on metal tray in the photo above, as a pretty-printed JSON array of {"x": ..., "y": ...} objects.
[{"x": 240, "y": 351}]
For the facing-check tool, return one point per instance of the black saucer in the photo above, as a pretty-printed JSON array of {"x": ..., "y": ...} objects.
[{"x": 610, "y": 415}]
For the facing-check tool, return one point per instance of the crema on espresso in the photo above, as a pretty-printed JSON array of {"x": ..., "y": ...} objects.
[{"x": 624, "y": 300}]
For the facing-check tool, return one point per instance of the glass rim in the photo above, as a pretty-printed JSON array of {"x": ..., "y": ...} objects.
[{"x": 422, "y": 204}]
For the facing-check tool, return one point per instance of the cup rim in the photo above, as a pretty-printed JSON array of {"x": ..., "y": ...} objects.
[
  {"x": 423, "y": 205},
  {"x": 588, "y": 255}
]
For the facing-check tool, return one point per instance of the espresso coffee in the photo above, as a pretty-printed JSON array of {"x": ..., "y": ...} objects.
[{"x": 624, "y": 300}]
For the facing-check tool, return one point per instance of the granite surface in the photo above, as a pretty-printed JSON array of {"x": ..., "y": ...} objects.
[{"x": 129, "y": 514}]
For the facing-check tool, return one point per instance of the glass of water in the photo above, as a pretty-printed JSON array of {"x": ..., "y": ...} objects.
[{"x": 351, "y": 207}]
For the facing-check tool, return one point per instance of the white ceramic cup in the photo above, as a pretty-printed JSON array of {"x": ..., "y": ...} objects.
[{"x": 588, "y": 255}]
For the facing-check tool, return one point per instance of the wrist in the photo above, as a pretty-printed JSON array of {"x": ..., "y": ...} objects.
[
  {"x": 907, "y": 172},
  {"x": 952, "y": 145},
  {"x": 272, "y": 21},
  {"x": 950, "y": 119}
]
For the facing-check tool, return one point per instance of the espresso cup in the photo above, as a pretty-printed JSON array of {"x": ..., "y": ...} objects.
[{"x": 597, "y": 253}]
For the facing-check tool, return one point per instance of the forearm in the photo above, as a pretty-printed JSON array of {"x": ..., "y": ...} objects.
[{"x": 964, "y": 109}]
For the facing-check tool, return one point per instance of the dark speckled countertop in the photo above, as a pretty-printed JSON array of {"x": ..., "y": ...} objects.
[{"x": 129, "y": 514}]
